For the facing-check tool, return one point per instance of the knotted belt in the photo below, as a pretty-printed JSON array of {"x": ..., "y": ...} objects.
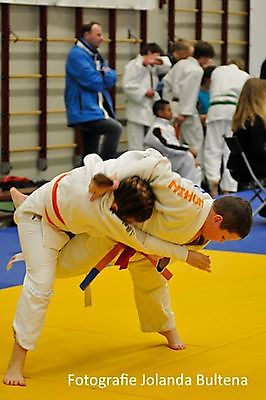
[
  {"x": 123, "y": 260},
  {"x": 126, "y": 251}
]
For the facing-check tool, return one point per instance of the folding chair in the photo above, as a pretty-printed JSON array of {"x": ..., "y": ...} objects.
[{"x": 259, "y": 190}]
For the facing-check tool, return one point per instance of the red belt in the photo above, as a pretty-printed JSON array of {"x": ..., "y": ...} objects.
[
  {"x": 54, "y": 203},
  {"x": 122, "y": 260}
]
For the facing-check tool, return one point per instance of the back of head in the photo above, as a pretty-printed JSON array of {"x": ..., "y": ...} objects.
[
  {"x": 207, "y": 73},
  {"x": 135, "y": 199},
  {"x": 151, "y": 48},
  {"x": 181, "y": 45},
  {"x": 159, "y": 106},
  {"x": 251, "y": 103},
  {"x": 238, "y": 62},
  {"x": 203, "y": 49},
  {"x": 236, "y": 213}
]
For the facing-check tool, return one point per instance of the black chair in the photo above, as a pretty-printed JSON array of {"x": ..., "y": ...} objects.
[{"x": 259, "y": 190}]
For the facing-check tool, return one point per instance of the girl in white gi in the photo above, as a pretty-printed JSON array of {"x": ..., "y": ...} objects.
[
  {"x": 183, "y": 214},
  {"x": 139, "y": 83},
  {"x": 226, "y": 84},
  {"x": 162, "y": 137}
]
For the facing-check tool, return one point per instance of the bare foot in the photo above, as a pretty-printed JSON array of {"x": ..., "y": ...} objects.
[
  {"x": 17, "y": 197},
  {"x": 14, "y": 375},
  {"x": 174, "y": 341}
]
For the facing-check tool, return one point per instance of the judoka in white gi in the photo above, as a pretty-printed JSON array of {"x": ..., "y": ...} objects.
[
  {"x": 226, "y": 84},
  {"x": 162, "y": 137},
  {"x": 140, "y": 80},
  {"x": 181, "y": 88},
  {"x": 183, "y": 214}
]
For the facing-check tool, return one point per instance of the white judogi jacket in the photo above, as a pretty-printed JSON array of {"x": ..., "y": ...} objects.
[
  {"x": 182, "y": 160},
  {"x": 180, "y": 210},
  {"x": 226, "y": 84},
  {"x": 182, "y": 83},
  {"x": 137, "y": 79}
]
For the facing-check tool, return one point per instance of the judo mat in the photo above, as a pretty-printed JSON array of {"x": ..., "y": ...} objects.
[{"x": 220, "y": 317}]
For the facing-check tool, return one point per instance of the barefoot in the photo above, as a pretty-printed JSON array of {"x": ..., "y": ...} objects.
[
  {"x": 17, "y": 197},
  {"x": 14, "y": 376},
  {"x": 174, "y": 341}
]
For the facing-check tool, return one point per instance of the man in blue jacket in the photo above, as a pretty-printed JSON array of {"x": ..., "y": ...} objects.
[{"x": 88, "y": 102}]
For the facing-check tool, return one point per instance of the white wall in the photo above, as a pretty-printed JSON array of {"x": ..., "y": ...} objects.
[{"x": 257, "y": 35}]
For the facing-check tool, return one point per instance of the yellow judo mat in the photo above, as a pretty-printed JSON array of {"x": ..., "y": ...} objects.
[{"x": 99, "y": 353}]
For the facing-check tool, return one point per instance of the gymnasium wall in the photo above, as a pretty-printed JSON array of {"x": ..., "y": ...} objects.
[{"x": 24, "y": 23}]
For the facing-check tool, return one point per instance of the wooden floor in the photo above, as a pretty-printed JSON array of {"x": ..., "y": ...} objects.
[{"x": 220, "y": 316}]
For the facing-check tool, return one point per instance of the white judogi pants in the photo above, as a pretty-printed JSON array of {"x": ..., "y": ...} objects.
[
  {"x": 77, "y": 257},
  {"x": 216, "y": 151},
  {"x": 135, "y": 136}
]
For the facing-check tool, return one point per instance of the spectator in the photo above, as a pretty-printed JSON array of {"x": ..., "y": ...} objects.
[
  {"x": 162, "y": 137},
  {"x": 249, "y": 126},
  {"x": 87, "y": 98},
  {"x": 204, "y": 94},
  {"x": 140, "y": 82},
  {"x": 226, "y": 84},
  {"x": 263, "y": 70}
]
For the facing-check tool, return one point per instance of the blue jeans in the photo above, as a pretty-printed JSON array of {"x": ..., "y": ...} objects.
[{"x": 91, "y": 132}]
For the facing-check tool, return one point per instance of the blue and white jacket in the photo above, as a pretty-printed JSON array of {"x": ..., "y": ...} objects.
[{"x": 87, "y": 86}]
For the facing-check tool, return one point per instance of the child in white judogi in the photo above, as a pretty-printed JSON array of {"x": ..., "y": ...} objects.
[{"x": 162, "y": 137}]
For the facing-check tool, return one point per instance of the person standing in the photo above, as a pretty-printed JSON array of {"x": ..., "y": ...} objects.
[
  {"x": 87, "y": 98},
  {"x": 140, "y": 80},
  {"x": 226, "y": 84},
  {"x": 181, "y": 88}
]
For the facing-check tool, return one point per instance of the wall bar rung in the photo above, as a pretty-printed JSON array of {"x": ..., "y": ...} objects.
[{"x": 186, "y": 10}]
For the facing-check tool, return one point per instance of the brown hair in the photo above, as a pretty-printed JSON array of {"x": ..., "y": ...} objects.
[
  {"x": 134, "y": 198},
  {"x": 87, "y": 27},
  {"x": 236, "y": 213},
  {"x": 251, "y": 103}
]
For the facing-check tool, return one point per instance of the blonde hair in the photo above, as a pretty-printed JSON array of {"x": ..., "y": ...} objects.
[{"x": 251, "y": 103}]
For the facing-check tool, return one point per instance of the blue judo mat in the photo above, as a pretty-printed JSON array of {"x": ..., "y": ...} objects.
[{"x": 9, "y": 245}]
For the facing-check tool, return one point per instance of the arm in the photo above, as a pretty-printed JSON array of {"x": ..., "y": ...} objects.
[
  {"x": 131, "y": 83},
  {"x": 81, "y": 68},
  {"x": 257, "y": 136}
]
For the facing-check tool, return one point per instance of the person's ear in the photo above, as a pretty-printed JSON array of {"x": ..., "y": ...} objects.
[
  {"x": 114, "y": 206},
  {"x": 218, "y": 218}
]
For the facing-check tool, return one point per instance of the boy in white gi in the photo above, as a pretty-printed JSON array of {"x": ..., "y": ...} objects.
[
  {"x": 226, "y": 84},
  {"x": 162, "y": 137},
  {"x": 183, "y": 214},
  {"x": 181, "y": 88},
  {"x": 139, "y": 83}
]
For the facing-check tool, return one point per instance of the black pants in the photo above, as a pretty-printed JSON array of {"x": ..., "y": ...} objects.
[{"x": 91, "y": 133}]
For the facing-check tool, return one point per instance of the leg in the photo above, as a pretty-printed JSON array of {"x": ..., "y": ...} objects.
[
  {"x": 36, "y": 292},
  {"x": 213, "y": 154},
  {"x": 90, "y": 139},
  {"x": 153, "y": 302},
  {"x": 135, "y": 136},
  {"x": 92, "y": 132},
  {"x": 111, "y": 129},
  {"x": 192, "y": 134},
  {"x": 228, "y": 184}
]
